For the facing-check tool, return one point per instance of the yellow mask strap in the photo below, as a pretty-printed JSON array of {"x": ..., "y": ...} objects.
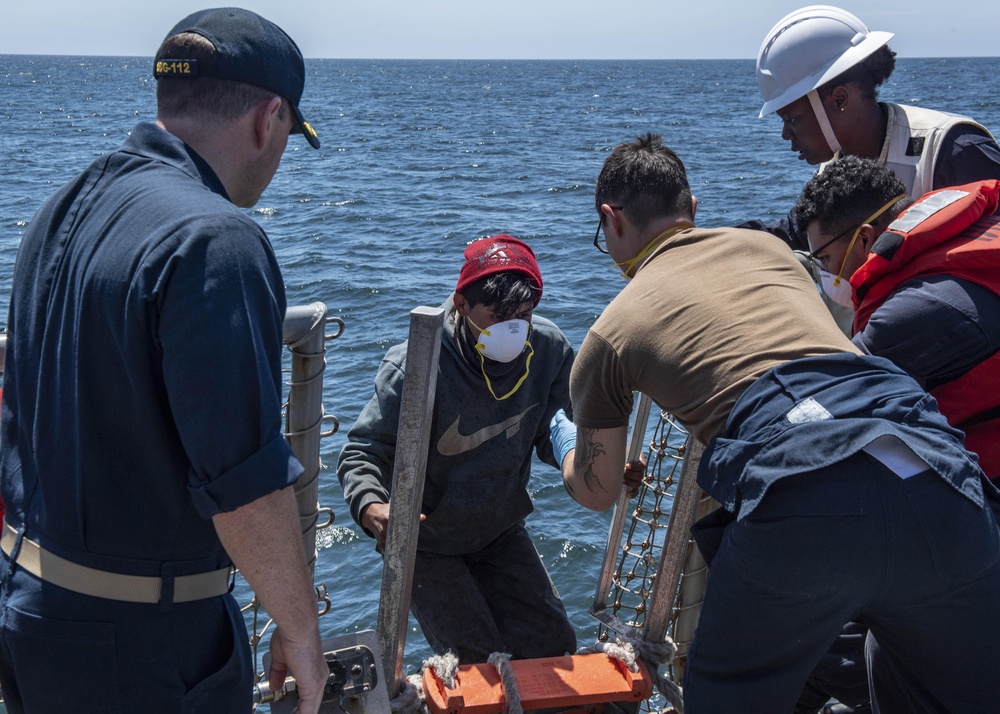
[
  {"x": 489, "y": 385},
  {"x": 857, "y": 232},
  {"x": 627, "y": 266},
  {"x": 481, "y": 330}
]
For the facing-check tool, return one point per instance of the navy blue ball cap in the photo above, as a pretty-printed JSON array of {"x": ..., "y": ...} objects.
[{"x": 248, "y": 49}]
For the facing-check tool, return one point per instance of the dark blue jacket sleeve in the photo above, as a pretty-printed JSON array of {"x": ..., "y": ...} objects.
[
  {"x": 785, "y": 228},
  {"x": 934, "y": 328},
  {"x": 967, "y": 154}
]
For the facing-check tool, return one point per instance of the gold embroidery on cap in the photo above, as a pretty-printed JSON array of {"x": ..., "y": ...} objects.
[{"x": 177, "y": 67}]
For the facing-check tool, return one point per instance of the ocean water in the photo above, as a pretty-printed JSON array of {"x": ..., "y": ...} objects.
[{"x": 421, "y": 157}]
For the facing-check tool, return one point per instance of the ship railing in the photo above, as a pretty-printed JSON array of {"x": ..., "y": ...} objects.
[{"x": 306, "y": 331}]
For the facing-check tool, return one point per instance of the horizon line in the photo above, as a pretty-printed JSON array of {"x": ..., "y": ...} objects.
[{"x": 497, "y": 59}]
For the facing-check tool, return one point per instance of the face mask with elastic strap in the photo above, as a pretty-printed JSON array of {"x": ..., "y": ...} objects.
[
  {"x": 857, "y": 232},
  {"x": 839, "y": 291},
  {"x": 505, "y": 350}
]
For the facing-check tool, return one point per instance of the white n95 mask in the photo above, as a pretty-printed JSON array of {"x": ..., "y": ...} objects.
[
  {"x": 504, "y": 341},
  {"x": 837, "y": 288}
]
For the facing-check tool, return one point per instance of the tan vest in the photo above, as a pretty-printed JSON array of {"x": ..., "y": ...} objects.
[{"x": 913, "y": 141}]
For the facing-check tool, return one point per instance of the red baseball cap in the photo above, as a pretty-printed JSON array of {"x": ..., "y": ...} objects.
[{"x": 499, "y": 254}]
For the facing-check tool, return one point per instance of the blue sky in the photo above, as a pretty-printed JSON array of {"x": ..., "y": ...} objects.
[{"x": 510, "y": 29}]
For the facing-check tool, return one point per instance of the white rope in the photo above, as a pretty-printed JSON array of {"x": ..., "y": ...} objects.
[
  {"x": 629, "y": 646},
  {"x": 619, "y": 650},
  {"x": 508, "y": 681},
  {"x": 445, "y": 666},
  {"x": 411, "y": 699}
]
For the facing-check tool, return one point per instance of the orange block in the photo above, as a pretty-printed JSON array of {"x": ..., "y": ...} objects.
[{"x": 541, "y": 683}]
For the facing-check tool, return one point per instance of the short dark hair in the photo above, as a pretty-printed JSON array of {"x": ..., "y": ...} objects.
[
  {"x": 647, "y": 179},
  {"x": 868, "y": 75},
  {"x": 847, "y": 192},
  {"x": 503, "y": 293},
  {"x": 204, "y": 98}
]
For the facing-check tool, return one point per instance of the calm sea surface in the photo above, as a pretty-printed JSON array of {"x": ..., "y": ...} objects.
[{"x": 421, "y": 157}]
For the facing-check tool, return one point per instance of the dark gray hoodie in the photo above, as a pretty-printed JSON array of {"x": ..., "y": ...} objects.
[{"x": 479, "y": 461}]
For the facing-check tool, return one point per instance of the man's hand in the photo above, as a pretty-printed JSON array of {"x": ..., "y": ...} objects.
[
  {"x": 635, "y": 472},
  {"x": 275, "y": 567},
  {"x": 375, "y": 520},
  {"x": 309, "y": 666}
]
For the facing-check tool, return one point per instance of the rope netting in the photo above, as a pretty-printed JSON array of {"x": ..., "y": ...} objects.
[{"x": 641, "y": 551}]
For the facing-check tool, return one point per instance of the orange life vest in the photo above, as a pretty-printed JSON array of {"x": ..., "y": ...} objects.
[{"x": 947, "y": 232}]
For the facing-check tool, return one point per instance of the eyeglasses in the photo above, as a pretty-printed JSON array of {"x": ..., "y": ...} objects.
[
  {"x": 599, "y": 241},
  {"x": 812, "y": 257},
  {"x": 821, "y": 262}
]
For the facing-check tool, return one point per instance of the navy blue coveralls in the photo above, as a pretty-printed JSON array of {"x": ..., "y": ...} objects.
[
  {"x": 825, "y": 533},
  {"x": 141, "y": 397}
]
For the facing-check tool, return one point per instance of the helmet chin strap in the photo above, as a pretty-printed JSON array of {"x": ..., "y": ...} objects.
[{"x": 824, "y": 121}]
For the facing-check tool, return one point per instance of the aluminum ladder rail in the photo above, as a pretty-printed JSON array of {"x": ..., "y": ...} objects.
[
  {"x": 409, "y": 471},
  {"x": 304, "y": 333}
]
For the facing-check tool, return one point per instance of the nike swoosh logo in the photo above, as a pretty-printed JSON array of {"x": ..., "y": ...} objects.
[{"x": 453, "y": 442}]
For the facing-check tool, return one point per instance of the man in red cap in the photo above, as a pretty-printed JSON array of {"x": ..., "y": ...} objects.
[{"x": 479, "y": 585}]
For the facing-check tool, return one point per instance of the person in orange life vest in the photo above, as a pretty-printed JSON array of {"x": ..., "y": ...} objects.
[
  {"x": 923, "y": 279},
  {"x": 940, "y": 323}
]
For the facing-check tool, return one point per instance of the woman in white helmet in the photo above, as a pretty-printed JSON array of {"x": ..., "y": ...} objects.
[{"x": 820, "y": 68}]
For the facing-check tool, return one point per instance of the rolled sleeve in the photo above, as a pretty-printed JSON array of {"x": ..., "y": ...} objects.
[
  {"x": 221, "y": 303},
  {"x": 271, "y": 469}
]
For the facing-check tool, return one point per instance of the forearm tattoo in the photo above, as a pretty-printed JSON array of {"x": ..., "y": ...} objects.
[{"x": 586, "y": 455}]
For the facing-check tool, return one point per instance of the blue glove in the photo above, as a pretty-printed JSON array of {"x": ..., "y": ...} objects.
[{"x": 562, "y": 434}]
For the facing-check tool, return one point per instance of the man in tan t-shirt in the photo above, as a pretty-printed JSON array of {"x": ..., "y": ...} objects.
[{"x": 845, "y": 485}]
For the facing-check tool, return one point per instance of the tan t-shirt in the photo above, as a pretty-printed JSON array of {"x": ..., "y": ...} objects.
[{"x": 708, "y": 313}]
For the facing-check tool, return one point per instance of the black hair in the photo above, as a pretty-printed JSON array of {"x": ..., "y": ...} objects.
[
  {"x": 503, "y": 293},
  {"x": 868, "y": 75},
  {"x": 847, "y": 192},
  {"x": 647, "y": 179},
  {"x": 204, "y": 98}
]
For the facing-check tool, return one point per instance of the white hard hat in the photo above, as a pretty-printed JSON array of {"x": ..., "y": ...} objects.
[{"x": 808, "y": 48}]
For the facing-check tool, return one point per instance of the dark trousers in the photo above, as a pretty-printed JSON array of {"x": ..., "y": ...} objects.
[
  {"x": 841, "y": 674},
  {"x": 912, "y": 558},
  {"x": 499, "y": 599},
  {"x": 63, "y": 652}
]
